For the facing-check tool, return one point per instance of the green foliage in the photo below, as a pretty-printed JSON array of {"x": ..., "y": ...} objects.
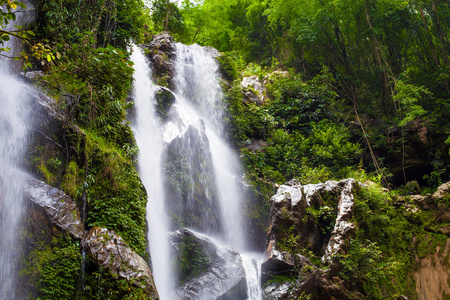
[
  {"x": 324, "y": 217},
  {"x": 112, "y": 22},
  {"x": 363, "y": 263},
  {"x": 115, "y": 195},
  {"x": 100, "y": 284},
  {"x": 228, "y": 68},
  {"x": 379, "y": 257},
  {"x": 330, "y": 146},
  {"x": 296, "y": 103},
  {"x": 290, "y": 241},
  {"x": 176, "y": 25},
  {"x": 71, "y": 180},
  {"x": 321, "y": 156},
  {"x": 408, "y": 98},
  {"x": 92, "y": 85},
  {"x": 55, "y": 269},
  {"x": 8, "y": 14}
]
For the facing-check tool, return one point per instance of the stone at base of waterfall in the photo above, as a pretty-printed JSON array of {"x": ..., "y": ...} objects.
[{"x": 223, "y": 277}]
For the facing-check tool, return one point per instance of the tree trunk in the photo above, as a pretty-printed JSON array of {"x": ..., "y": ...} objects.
[
  {"x": 166, "y": 23},
  {"x": 428, "y": 35},
  {"x": 441, "y": 36},
  {"x": 379, "y": 53}
]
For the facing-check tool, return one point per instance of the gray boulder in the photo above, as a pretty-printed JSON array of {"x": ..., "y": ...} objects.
[
  {"x": 60, "y": 208},
  {"x": 313, "y": 219},
  {"x": 191, "y": 196},
  {"x": 213, "y": 271},
  {"x": 111, "y": 252},
  {"x": 253, "y": 89}
]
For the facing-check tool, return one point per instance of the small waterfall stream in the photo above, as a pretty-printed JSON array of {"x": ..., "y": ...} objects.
[
  {"x": 15, "y": 124},
  {"x": 187, "y": 165},
  {"x": 147, "y": 131}
]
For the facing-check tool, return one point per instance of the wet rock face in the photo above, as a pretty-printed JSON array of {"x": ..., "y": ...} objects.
[
  {"x": 107, "y": 248},
  {"x": 161, "y": 54},
  {"x": 190, "y": 185},
  {"x": 315, "y": 217},
  {"x": 61, "y": 210},
  {"x": 209, "y": 271}
]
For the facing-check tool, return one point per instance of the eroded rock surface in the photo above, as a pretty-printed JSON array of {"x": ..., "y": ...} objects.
[
  {"x": 63, "y": 212},
  {"x": 315, "y": 218},
  {"x": 111, "y": 252},
  {"x": 253, "y": 89},
  {"x": 222, "y": 276},
  {"x": 161, "y": 55},
  {"x": 105, "y": 246},
  {"x": 190, "y": 185}
]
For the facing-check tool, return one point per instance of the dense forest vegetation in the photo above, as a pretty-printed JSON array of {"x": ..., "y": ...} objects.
[
  {"x": 352, "y": 89},
  {"x": 386, "y": 61}
]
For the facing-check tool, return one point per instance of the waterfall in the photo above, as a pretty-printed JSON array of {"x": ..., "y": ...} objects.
[
  {"x": 14, "y": 128},
  {"x": 188, "y": 167},
  {"x": 199, "y": 97},
  {"x": 148, "y": 135},
  {"x": 199, "y": 100}
]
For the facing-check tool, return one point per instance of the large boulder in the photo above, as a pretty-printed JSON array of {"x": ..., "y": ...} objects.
[
  {"x": 112, "y": 253},
  {"x": 253, "y": 89},
  {"x": 62, "y": 211},
  {"x": 207, "y": 270},
  {"x": 106, "y": 248},
  {"x": 313, "y": 219},
  {"x": 190, "y": 185},
  {"x": 161, "y": 53}
]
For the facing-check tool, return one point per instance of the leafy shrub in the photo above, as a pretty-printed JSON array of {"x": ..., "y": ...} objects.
[{"x": 296, "y": 104}]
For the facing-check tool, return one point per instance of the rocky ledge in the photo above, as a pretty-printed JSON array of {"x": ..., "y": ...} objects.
[{"x": 313, "y": 218}]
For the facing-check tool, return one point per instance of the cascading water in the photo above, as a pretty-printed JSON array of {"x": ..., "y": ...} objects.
[
  {"x": 193, "y": 168},
  {"x": 147, "y": 131},
  {"x": 199, "y": 97},
  {"x": 199, "y": 104},
  {"x": 14, "y": 128}
]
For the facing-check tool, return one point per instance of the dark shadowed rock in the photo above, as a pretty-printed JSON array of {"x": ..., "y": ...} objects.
[
  {"x": 161, "y": 54},
  {"x": 222, "y": 276},
  {"x": 190, "y": 185}
]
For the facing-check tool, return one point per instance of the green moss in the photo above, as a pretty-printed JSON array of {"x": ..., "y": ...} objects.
[
  {"x": 71, "y": 180},
  {"x": 54, "y": 269},
  {"x": 164, "y": 100},
  {"x": 428, "y": 242},
  {"x": 227, "y": 68},
  {"x": 115, "y": 195},
  {"x": 194, "y": 258}
]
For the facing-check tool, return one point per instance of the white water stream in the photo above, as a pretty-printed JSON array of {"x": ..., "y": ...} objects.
[
  {"x": 147, "y": 131},
  {"x": 14, "y": 127},
  {"x": 198, "y": 105}
]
